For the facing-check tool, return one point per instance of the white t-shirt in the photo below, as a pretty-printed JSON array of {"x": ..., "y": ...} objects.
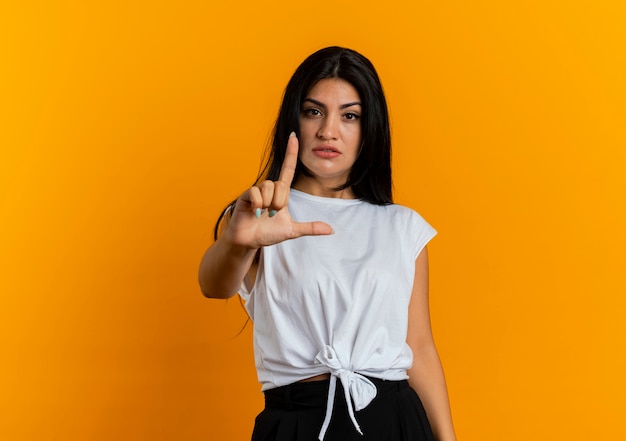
[{"x": 337, "y": 303}]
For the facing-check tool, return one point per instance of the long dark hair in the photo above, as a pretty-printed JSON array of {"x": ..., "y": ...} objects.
[{"x": 370, "y": 176}]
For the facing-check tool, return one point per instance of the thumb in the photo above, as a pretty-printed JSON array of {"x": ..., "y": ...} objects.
[{"x": 311, "y": 229}]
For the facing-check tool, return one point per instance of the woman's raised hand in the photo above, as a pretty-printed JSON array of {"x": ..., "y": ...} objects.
[{"x": 260, "y": 216}]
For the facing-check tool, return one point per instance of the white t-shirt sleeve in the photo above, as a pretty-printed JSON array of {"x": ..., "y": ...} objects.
[
  {"x": 421, "y": 233},
  {"x": 245, "y": 289}
]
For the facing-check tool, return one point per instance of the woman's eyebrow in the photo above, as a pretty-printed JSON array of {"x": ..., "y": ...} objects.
[{"x": 343, "y": 106}]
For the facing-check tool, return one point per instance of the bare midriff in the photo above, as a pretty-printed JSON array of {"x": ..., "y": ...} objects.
[{"x": 320, "y": 377}]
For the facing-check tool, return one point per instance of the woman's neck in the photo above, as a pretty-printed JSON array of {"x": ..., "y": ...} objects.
[{"x": 314, "y": 187}]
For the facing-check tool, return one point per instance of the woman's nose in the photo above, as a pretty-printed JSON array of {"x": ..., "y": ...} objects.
[{"x": 328, "y": 128}]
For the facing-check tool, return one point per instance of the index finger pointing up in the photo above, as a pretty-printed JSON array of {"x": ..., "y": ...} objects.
[{"x": 288, "y": 169}]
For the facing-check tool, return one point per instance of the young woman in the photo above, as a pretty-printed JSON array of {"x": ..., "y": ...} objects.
[{"x": 333, "y": 274}]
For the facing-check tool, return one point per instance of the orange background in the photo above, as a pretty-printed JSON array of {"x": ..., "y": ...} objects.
[{"x": 126, "y": 126}]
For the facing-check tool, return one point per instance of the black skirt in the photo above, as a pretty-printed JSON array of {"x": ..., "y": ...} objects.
[{"x": 296, "y": 412}]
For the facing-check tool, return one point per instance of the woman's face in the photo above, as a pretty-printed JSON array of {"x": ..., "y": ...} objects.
[{"x": 330, "y": 131}]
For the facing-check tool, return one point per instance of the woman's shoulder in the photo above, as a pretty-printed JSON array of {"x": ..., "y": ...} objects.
[
  {"x": 410, "y": 224},
  {"x": 402, "y": 210},
  {"x": 407, "y": 216}
]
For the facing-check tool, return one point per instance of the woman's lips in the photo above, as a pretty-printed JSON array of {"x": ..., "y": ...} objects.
[{"x": 326, "y": 152}]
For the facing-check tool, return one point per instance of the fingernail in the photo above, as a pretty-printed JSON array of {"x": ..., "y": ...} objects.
[
  {"x": 273, "y": 213},
  {"x": 292, "y": 134},
  {"x": 257, "y": 213}
]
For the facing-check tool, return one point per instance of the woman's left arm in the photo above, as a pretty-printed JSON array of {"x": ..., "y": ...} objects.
[{"x": 426, "y": 376}]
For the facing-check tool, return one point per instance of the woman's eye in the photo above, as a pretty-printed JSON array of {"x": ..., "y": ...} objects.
[
  {"x": 351, "y": 116},
  {"x": 312, "y": 112}
]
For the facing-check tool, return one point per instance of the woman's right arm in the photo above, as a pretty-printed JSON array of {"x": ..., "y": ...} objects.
[
  {"x": 259, "y": 218},
  {"x": 223, "y": 268}
]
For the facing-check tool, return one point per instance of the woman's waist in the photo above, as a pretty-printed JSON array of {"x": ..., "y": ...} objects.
[{"x": 313, "y": 392}]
